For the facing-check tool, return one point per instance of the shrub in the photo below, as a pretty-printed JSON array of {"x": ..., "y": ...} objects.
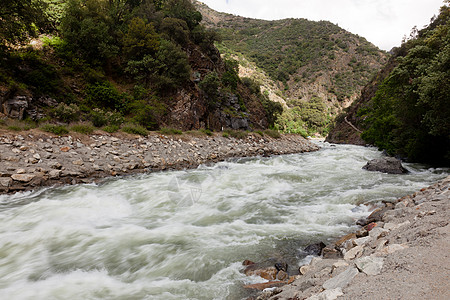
[
  {"x": 259, "y": 132},
  {"x": 66, "y": 113},
  {"x": 170, "y": 131},
  {"x": 101, "y": 118},
  {"x": 135, "y": 129},
  {"x": 237, "y": 134},
  {"x": 104, "y": 94},
  {"x": 83, "y": 128},
  {"x": 14, "y": 128},
  {"x": 55, "y": 129},
  {"x": 206, "y": 131},
  {"x": 273, "y": 133},
  {"x": 111, "y": 128},
  {"x": 225, "y": 134}
]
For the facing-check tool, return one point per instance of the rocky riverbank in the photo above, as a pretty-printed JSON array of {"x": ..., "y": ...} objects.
[
  {"x": 401, "y": 252},
  {"x": 36, "y": 159}
]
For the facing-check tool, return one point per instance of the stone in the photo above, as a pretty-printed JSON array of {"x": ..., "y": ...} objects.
[
  {"x": 265, "y": 285},
  {"x": 391, "y": 249},
  {"x": 37, "y": 156},
  {"x": 370, "y": 265},
  {"x": 340, "y": 263},
  {"x": 78, "y": 162},
  {"x": 354, "y": 252},
  {"x": 327, "y": 295},
  {"x": 378, "y": 232},
  {"x": 331, "y": 253},
  {"x": 362, "y": 241},
  {"x": 282, "y": 275},
  {"x": 371, "y": 226},
  {"x": 20, "y": 171},
  {"x": 269, "y": 273},
  {"x": 65, "y": 149},
  {"x": 393, "y": 226},
  {"x": 315, "y": 249},
  {"x": 304, "y": 269},
  {"x": 54, "y": 174},
  {"x": 5, "y": 181},
  {"x": 341, "y": 280},
  {"x": 344, "y": 239},
  {"x": 23, "y": 177},
  {"x": 390, "y": 165}
]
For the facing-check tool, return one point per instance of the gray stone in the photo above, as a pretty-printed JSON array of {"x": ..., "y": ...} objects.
[
  {"x": 5, "y": 181},
  {"x": 327, "y": 295},
  {"x": 54, "y": 174},
  {"x": 362, "y": 241},
  {"x": 370, "y": 265},
  {"x": 354, "y": 252},
  {"x": 390, "y": 165},
  {"x": 378, "y": 232},
  {"x": 341, "y": 280}
]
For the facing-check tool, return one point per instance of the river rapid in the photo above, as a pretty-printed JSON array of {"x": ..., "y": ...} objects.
[{"x": 184, "y": 234}]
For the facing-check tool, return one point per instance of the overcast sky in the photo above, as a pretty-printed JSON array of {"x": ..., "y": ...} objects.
[{"x": 381, "y": 22}]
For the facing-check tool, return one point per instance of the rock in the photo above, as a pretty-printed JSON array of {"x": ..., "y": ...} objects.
[
  {"x": 281, "y": 266},
  {"x": 247, "y": 262},
  {"x": 5, "y": 181},
  {"x": 339, "y": 264},
  {"x": 23, "y": 177},
  {"x": 265, "y": 285},
  {"x": 393, "y": 226},
  {"x": 341, "y": 280},
  {"x": 378, "y": 232},
  {"x": 327, "y": 295},
  {"x": 370, "y": 265},
  {"x": 54, "y": 174},
  {"x": 282, "y": 275},
  {"x": 331, "y": 253},
  {"x": 390, "y": 165},
  {"x": 371, "y": 226},
  {"x": 78, "y": 162},
  {"x": 362, "y": 241},
  {"x": 65, "y": 149},
  {"x": 315, "y": 249},
  {"x": 269, "y": 273},
  {"x": 354, "y": 252},
  {"x": 20, "y": 171},
  {"x": 391, "y": 249},
  {"x": 304, "y": 269}
]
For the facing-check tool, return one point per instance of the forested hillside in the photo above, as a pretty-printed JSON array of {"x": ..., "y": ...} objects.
[
  {"x": 308, "y": 61},
  {"x": 406, "y": 109},
  {"x": 142, "y": 64}
]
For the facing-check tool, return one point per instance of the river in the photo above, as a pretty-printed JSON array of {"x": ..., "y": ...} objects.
[{"x": 184, "y": 234}]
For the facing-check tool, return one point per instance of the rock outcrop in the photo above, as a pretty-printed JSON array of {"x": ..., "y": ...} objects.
[{"x": 390, "y": 165}]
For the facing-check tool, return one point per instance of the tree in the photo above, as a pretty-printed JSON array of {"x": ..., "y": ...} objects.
[
  {"x": 19, "y": 20},
  {"x": 141, "y": 39}
]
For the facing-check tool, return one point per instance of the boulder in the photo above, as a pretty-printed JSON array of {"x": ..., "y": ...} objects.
[
  {"x": 390, "y": 165},
  {"x": 370, "y": 265},
  {"x": 327, "y": 295},
  {"x": 23, "y": 177},
  {"x": 315, "y": 249},
  {"x": 341, "y": 280}
]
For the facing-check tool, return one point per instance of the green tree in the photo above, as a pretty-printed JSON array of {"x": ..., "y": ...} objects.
[{"x": 141, "y": 39}]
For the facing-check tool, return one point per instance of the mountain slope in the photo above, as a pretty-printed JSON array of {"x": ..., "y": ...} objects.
[
  {"x": 405, "y": 110},
  {"x": 304, "y": 58}
]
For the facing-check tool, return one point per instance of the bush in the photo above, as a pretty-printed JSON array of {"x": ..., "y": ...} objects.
[
  {"x": 55, "y": 129},
  {"x": 259, "y": 132},
  {"x": 135, "y": 129},
  {"x": 225, "y": 134},
  {"x": 273, "y": 133},
  {"x": 66, "y": 113},
  {"x": 170, "y": 131},
  {"x": 101, "y": 118},
  {"x": 14, "y": 128},
  {"x": 111, "y": 128},
  {"x": 104, "y": 94},
  {"x": 82, "y": 128},
  {"x": 206, "y": 131}
]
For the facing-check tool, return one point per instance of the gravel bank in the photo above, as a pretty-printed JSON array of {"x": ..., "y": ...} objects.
[
  {"x": 36, "y": 159},
  {"x": 402, "y": 252}
]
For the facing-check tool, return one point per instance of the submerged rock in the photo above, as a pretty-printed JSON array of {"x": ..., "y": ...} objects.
[
  {"x": 315, "y": 249},
  {"x": 390, "y": 165}
]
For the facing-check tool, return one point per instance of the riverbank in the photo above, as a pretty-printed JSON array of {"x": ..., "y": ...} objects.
[
  {"x": 36, "y": 159},
  {"x": 402, "y": 252}
]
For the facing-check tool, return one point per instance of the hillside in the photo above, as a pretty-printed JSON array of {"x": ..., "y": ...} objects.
[
  {"x": 405, "y": 109},
  {"x": 305, "y": 59},
  {"x": 146, "y": 64}
]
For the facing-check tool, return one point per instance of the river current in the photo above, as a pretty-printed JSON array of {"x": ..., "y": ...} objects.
[{"x": 184, "y": 234}]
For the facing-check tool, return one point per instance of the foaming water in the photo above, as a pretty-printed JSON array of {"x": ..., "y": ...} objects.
[{"x": 184, "y": 234}]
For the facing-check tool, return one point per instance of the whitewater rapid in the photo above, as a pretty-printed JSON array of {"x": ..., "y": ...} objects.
[{"x": 184, "y": 234}]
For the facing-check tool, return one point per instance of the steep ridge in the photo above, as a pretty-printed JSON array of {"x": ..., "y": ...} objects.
[{"x": 305, "y": 59}]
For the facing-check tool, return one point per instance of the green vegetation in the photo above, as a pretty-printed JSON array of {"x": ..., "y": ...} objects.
[
  {"x": 55, "y": 129},
  {"x": 82, "y": 128},
  {"x": 135, "y": 129},
  {"x": 272, "y": 133},
  {"x": 410, "y": 113},
  {"x": 170, "y": 131},
  {"x": 237, "y": 134}
]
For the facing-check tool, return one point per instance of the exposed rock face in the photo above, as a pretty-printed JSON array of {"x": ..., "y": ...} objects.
[{"x": 390, "y": 165}]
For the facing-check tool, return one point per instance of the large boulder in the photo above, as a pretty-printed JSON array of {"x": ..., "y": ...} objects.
[{"x": 390, "y": 165}]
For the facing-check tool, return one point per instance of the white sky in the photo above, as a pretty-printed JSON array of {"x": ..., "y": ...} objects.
[{"x": 381, "y": 22}]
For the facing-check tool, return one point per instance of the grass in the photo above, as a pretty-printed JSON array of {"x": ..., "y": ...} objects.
[
  {"x": 83, "y": 128},
  {"x": 135, "y": 129},
  {"x": 272, "y": 133},
  {"x": 111, "y": 128},
  {"x": 170, "y": 131},
  {"x": 206, "y": 131},
  {"x": 15, "y": 128},
  {"x": 259, "y": 132},
  {"x": 237, "y": 134},
  {"x": 55, "y": 129}
]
